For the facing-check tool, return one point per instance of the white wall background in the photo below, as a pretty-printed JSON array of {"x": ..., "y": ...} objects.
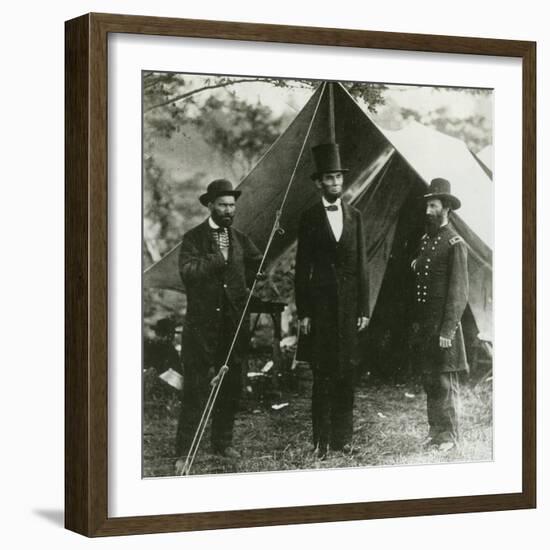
[{"x": 31, "y": 352}]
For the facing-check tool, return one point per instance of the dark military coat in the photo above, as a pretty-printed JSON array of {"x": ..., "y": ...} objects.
[
  {"x": 211, "y": 284},
  {"x": 440, "y": 297},
  {"x": 331, "y": 284}
]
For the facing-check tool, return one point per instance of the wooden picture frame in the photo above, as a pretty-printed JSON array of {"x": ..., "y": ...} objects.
[{"x": 86, "y": 279}]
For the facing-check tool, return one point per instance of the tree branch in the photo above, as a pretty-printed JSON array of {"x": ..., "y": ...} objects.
[
  {"x": 212, "y": 86},
  {"x": 151, "y": 84}
]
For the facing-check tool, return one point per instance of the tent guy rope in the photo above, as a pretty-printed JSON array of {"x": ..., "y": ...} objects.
[{"x": 218, "y": 379}]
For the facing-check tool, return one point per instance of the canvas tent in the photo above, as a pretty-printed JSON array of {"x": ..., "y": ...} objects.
[
  {"x": 388, "y": 173},
  {"x": 485, "y": 159},
  {"x": 433, "y": 154}
]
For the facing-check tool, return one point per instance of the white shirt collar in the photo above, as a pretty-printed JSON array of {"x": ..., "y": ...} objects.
[
  {"x": 212, "y": 223},
  {"x": 337, "y": 202}
]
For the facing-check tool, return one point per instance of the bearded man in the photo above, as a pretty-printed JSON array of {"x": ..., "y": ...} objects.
[
  {"x": 331, "y": 290},
  {"x": 217, "y": 265},
  {"x": 441, "y": 295}
]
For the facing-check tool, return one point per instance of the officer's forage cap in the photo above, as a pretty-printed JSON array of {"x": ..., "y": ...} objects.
[{"x": 440, "y": 188}]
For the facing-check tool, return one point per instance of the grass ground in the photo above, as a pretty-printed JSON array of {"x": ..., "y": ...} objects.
[{"x": 389, "y": 426}]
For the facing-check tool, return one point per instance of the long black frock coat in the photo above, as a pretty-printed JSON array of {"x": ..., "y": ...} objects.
[{"x": 331, "y": 285}]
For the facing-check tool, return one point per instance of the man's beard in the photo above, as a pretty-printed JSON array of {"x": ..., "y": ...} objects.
[
  {"x": 222, "y": 221},
  {"x": 433, "y": 223},
  {"x": 331, "y": 197}
]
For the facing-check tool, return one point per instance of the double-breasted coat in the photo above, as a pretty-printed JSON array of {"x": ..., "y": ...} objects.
[{"x": 440, "y": 298}]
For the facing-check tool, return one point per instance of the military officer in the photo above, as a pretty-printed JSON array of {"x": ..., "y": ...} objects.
[{"x": 440, "y": 297}]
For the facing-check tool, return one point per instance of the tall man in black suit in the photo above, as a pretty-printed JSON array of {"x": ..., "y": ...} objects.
[
  {"x": 331, "y": 289},
  {"x": 217, "y": 264}
]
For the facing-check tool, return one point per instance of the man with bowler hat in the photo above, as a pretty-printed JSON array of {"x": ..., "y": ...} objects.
[
  {"x": 440, "y": 297},
  {"x": 331, "y": 290},
  {"x": 217, "y": 264}
]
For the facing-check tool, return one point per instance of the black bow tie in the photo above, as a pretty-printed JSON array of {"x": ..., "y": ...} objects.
[{"x": 331, "y": 208}]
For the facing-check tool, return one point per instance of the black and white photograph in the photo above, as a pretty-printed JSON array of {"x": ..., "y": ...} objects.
[
  {"x": 317, "y": 274},
  {"x": 274, "y": 275}
]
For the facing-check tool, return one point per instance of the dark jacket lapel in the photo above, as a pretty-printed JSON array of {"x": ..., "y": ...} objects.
[
  {"x": 347, "y": 223},
  {"x": 207, "y": 242},
  {"x": 325, "y": 224},
  {"x": 206, "y": 237},
  {"x": 234, "y": 244}
]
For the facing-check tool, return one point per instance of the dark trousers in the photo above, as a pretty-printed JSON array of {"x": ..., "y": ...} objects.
[
  {"x": 443, "y": 403},
  {"x": 196, "y": 389},
  {"x": 332, "y": 410},
  {"x": 333, "y": 381}
]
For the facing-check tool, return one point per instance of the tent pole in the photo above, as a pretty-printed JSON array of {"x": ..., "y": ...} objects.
[{"x": 331, "y": 121}]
